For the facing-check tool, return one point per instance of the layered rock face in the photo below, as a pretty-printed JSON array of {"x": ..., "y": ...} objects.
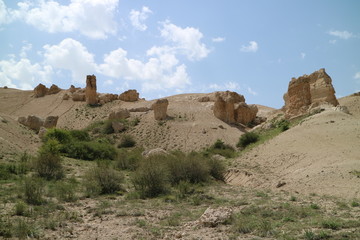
[
  {"x": 160, "y": 109},
  {"x": 90, "y": 90},
  {"x": 230, "y": 107},
  {"x": 129, "y": 96},
  {"x": 309, "y": 91}
]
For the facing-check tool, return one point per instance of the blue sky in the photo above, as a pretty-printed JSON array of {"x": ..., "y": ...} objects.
[{"x": 162, "y": 47}]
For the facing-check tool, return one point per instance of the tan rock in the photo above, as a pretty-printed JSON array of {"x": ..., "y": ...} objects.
[
  {"x": 107, "y": 97},
  {"x": 50, "y": 121},
  {"x": 120, "y": 113},
  {"x": 224, "y": 106},
  {"x": 139, "y": 109},
  {"x": 309, "y": 90},
  {"x": 40, "y": 90},
  {"x": 129, "y": 96},
  {"x": 213, "y": 217},
  {"x": 32, "y": 122},
  {"x": 78, "y": 97},
  {"x": 90, "y": 90},
  {"x": 53, "y": 89},
  {"x": 245, "y": 113},
  {"x": 73, "y": 89},
  {"x": 42, "y": 132},
  {"x": 204, "y": 99},
  {"x": 160, "y": 109}
]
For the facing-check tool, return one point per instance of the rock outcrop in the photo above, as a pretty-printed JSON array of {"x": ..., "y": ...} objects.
[
  {"x": 129, "y": 96},
  {"x": 213, "y": 217},
  {"x": 53, "y": 89},
  {"x": 50, "y": 121},
  {"x": 120, "y": 113},
  {"x": 107, "y": 97},
  {"x": 309, "y": 91},
  {"x": 160, "y": 109},
  {"x": 230, "y": 107},
  {"x": 90, "y": 90},
  {"x": 35, "y": 123},
  {"x": 40, "y": 90}
]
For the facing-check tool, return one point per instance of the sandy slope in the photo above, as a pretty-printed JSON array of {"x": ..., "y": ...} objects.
[{"x": 316, "y": 156}]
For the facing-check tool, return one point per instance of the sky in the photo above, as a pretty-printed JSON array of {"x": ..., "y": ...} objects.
[{"x": 168, "y": 47}]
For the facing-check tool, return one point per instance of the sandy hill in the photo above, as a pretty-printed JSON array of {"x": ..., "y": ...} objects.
[{"x": 320, "y": 155}]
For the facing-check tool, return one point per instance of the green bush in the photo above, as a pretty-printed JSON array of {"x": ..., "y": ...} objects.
[
  {"x": 34, "y": 190},
  {"x": 151, "y": 178},
  {"x": 128, "y": 159},
  {"x": 20, "y": 208},
  {"x": 66, "y": 191},
  {"x": 80, "y": 135},
  {"x": 190, "y": 167},
  {"x": 127, "y": 141},
  {"x": 102, "y": 179},
  {"x": 48, "y": 163},
  {"x": 90, "y": 150},
  {"x": 61, "y": 135},
  {"x": 217, "y": 168},
  {"x": 247, "y": 138},
  {"x": 283, "y": 125},
  {"x": 220, "y": 148}
]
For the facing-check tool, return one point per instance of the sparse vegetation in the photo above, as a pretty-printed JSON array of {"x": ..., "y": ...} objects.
[
  {"x": 127, "y": 141},
  {"x": 247, "y": 138},
  {"x": 220, "y": 148}
]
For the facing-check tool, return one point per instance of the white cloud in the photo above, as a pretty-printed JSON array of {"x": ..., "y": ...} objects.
[
  {"x": 303, "y": 55},
  {"x": 357, "y": 75},
  {"x": 252, "y": 92},
  {"x": 138, "y": 18},
  {"x": 27, "y": 47},
  {"x": 341, "y": 34},
  {"x": 108, "y": 82},
  {"x": 92, "y": 18},
  {"x": 185, "y": 41},
  {"x": 252, "y": 47},
  {"x": 218, "y": 39},
  {"x": 71, "y": 55},
  {"x": 226, "y": 86},
  {"x": 333, "y": 41},
  {"x": 23, "y": 74}
]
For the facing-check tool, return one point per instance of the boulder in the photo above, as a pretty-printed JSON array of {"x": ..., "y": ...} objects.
[
  {"x": 73, "y": 89},
  {"x": 50, "y": 121},
  {"x": 118, "y": 126},
  {"x": 32, "y": 122},
  {"x": 107, "y": 97},
  {"x": 40, "y": 90},
  {"x": 42, "y": 132},
  {"x": 53, "y": 89},
  {"x": 118, "y": 114},
  {"x": 78, "y": 97},
  {"x": 309, "y": 90},
  {"x": 215, "y": 216},
  {"x": 225, "y": 104},
  {"x": 139, "y": 109},
  {"x": 129, "y": 96},
  {"x": 160, "y": 108},
  {"x": 244, "y": 113},
  {"x": 90, "y": 90}
]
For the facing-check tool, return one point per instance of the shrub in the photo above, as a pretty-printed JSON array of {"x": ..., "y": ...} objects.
[
  {"x": 127, "y": 141},
  {"x": 48, "y": 163},
  {"x": 150, "y": 179},
  {"x": 107, "y": 127},
  {"x": 20, "y": 208},
  {"x": 128, "y": 160},
  {"x": 219, "y": 147},
  {"x": 283, "y": 125},
  {"x": 247, "y": 138},
  {"x": 217, "y": 168},
  {"x": 102, "y": 180},
  {"x": 61, "y": 135},
  {"x": 34, "y": 190},
  {"x": 66, "y": 191},
  {"x": 80, "y": 135},
  {"x": 190, "y": 167},
  {"x": 90, "y": 150}
]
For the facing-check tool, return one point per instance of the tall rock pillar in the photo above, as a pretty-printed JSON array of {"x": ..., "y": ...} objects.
[{"x": 90, "y": 91}]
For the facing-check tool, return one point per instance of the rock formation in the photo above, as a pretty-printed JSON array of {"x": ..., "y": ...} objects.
[
  {"x": 309, "y": 91},
  {"x": 129, "y": 96},
  {"x": 213, "y": 217},
  {"x": 107, "y": 97},
  {"x": 120, "y": 113},
  {"x": 50, "y": 121},
  {"x": 79, "y": 95},
  {"x": 73, "y": 89},
  {"x": 90, "y": 90},
  {"x": 230, "y": 107},
  {"x": 35, "y": 123},
  {"x": 160, "y": 109},
  {"x": 66, "y": 96},
  {"x": 53, "y": 89},
  {"x": 40, "y": 90}
]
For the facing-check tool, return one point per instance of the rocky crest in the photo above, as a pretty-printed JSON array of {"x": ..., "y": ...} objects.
[
  {"x": 230, "y": 107},
  {"x": 309, "y": 91},
  {"x": 129, "y": 96},
  {"x": 35, "y": 123}
]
